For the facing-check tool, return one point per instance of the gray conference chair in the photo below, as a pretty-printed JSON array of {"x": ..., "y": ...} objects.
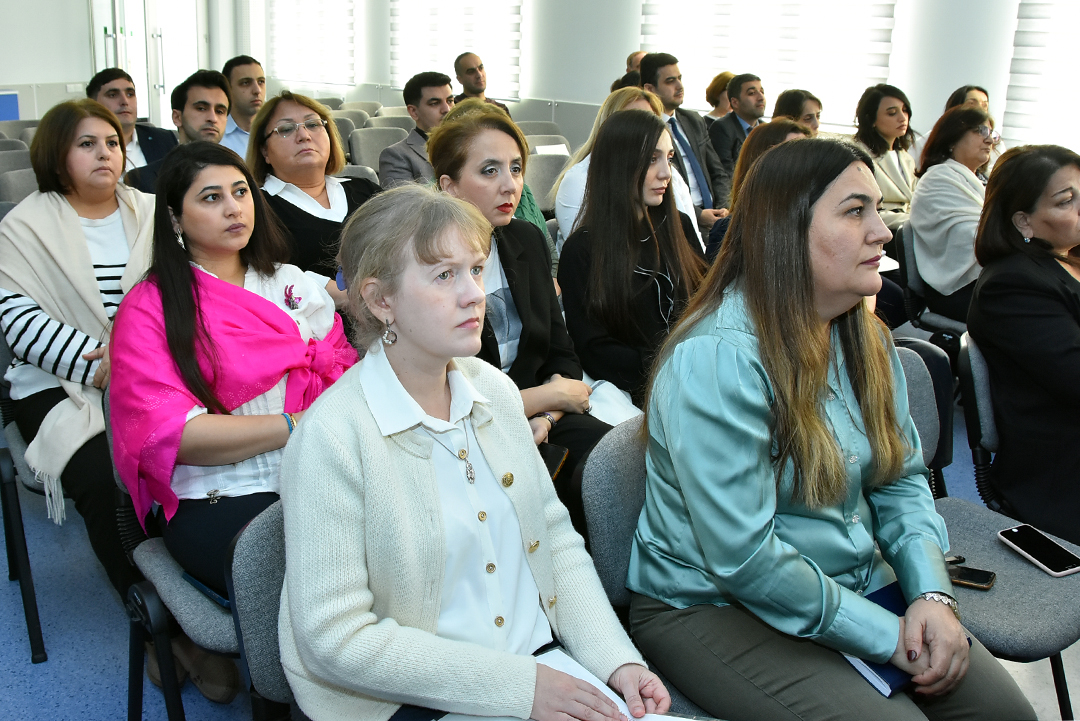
[
  {"x": 27, "y": 135},
  {"x": 14, "y": 160},
  {"x": 6, "y": 207},
  {"x": 256, "y": 572},
  {"x": 368, "y": 106},
  {"x": 539, "y": 127},
  {"x": 358, "y": 117},
  {"x": 391, "y": 121},
  {"x": 979, "y": 418},
  {"x": 345, "y": 127},
  {"x": 393, "y": 111},
  {"x": 366, "y": 144},
  {"x": 540, "y": 174},
  {"x": 12, "y": 144},
  {"x": 14, "y": 128},
  {"x": 553, "y": 229},
  {"x": 359, "y": 171},
  {"x": 914, "y": 288},
  {"x": 17, "y": 184},
  {"x": 613, "y": 492},
  {"x": 536, "y": 141},
  {"x": 332, "y": 102}
]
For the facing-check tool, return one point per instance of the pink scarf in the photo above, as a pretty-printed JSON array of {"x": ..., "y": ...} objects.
[{"x": 254, "y": 344}]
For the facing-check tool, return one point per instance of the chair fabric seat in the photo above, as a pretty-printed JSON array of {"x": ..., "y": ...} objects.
[
  {"x": 1028, "y": 614},
  {"x": 204, "y": 621},
  {"x": 18, "y": 455}
]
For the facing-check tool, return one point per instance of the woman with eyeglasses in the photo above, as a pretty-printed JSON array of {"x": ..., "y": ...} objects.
[
  {"x": 295, "y": 150},
  {"x": 946, "y": 206}
]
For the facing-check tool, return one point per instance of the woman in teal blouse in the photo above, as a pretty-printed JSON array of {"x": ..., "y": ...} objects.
[{"x": 785, "y": 477}]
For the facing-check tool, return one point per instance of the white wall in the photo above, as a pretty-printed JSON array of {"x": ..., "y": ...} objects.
[{"x": 45, "y": 42}]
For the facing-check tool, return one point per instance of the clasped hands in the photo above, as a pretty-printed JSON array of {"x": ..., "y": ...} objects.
[
  {"x": 932, "y": 647},
  {"x": 559, "y": 396},
  {"x": 560, "y": 696}
]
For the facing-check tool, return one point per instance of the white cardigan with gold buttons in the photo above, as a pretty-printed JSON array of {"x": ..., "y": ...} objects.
[{"x": 365, "y": 562}]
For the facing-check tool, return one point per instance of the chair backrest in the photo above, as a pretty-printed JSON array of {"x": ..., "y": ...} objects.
[
  {"x": 5, "y": 208},
  {"x": 910, "y": 271},
  {"x": 333, "y": 102},
  {"x": 17, "y": 184},
  {"x": 27, "y": 135},
  {"x": 254, "y": 576},
  {"x": 553, "y": 229},
  {"x": 14, "y": 160},
  {"x": 12, "y": 144},
  {"x": 366, "y": 144},
  {"x": 368, "y": 106},
  {"x": 359, "y": 117},
  {"x": 14, "y": 128},
  {"x": 613, "y": 492},
  {"x": 345, "y": 126},
  {"x": 540, "y": 174},
  {"x": 535, "y": 141},
  {"x": 539, "y": 127},
  {"x": 359, "y": 171},
  {"x": 975, "y": 389},
  {"x": 922, "y": 402},
  {"x": 392, "y": 111},
  {"x": 391, "y": 121}
]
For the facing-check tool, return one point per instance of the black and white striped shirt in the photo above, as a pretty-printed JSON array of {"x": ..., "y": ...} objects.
[{"x": 46, "y": 349}]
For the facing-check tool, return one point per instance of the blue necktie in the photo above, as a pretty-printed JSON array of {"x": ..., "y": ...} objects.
[{"x": 695, "y": 167}]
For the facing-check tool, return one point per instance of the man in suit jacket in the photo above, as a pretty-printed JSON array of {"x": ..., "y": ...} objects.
[
  {"x": 428, "y": 97},
  {"x": 728, "y": 133},
  {"x": 143, "y": 144},
  {"x": 695, "y": 158}
]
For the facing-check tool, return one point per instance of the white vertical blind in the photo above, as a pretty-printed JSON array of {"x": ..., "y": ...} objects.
[
  {"x": 1041, "y": 100},
  {"x": 833, "y": 48},
  {"x": 428, "y": 34},
  {"x": 312, "y": 41}
]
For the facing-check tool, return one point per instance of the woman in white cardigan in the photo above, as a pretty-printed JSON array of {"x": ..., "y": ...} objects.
[
  {"x": 946, "y": 207},
  {"x": 428, "y": 557}
]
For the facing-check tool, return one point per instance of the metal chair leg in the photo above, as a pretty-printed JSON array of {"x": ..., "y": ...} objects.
[
  {"x": 146, "y": 609},
  {"x": 18, "y": 558},
  {"x": 136, "y": 654},
  {"x": 1061, "y": 686}
]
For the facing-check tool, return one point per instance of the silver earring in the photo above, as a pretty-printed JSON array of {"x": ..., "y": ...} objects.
[
  {"x": 389, "y": 337},
  {"x": 1027, "y": 239},
  {"x": 180, "y": 238}
]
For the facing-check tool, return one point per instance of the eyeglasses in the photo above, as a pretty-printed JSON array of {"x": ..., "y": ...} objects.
[
  {"x": 987, "y": 132},
  {"x": 287, "y": 129}
]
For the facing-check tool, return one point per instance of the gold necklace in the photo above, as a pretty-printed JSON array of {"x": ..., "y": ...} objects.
[{"x": 462, "y": 454}]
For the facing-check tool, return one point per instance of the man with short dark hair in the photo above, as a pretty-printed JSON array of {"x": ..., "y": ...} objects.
[
  {"x": 694, "y": 158},
  {"x": 727, "y": 134},
  {"x": 143, "y": 144},
  {"x": 247, "y": 90},
  {"x": 473, "y": 78},
  {"x": 200, "y": 106},
  {"x": 428, "y": 97}
]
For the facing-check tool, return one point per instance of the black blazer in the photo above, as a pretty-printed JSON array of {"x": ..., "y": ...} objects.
[
  {"x": 698, "y": 136},
  {"x": 155, "y": 142},
  {"x": 624, "y": 361},
  {"x": 1025, "y": 316},
  {"x": 145, "y": 178},
  {"x": 727, "y": 136},
  {"x": 544, "y": 347}
]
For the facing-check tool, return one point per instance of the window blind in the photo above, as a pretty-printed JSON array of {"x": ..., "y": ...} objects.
[
  {"x": 312, "y": 41},
  {"x": 833, "y": 48},
  {"x": 429, "y": 34}
]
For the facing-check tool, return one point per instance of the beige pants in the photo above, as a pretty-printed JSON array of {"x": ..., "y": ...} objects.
[{"x": 737, "y": 667}]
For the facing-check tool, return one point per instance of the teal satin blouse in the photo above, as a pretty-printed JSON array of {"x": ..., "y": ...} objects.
[{"x": 715, "y": 530}]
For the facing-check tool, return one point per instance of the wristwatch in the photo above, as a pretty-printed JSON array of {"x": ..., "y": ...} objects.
[{"x": 942, "y": 598}]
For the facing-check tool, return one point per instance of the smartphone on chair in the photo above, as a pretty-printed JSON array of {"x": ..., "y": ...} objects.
[{"x": 1041, "y": 550}]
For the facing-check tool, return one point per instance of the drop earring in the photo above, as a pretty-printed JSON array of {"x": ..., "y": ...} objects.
[
  {"x": 180, "y": 238},
  {"x": 389, "y": 337}
]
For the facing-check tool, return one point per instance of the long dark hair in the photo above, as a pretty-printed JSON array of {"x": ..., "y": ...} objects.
[
  {"x": 620, "y": 160},
  {"x": 766, "y": 254},
  {"x": 1019, "y": 179},
  {"x": 170, "y": 266},
  {"x": 866, "y": 116},
  {"x": 948, "y": 131}
]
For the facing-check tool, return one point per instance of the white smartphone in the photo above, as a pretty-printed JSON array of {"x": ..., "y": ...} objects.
[{"x": 1038, "y": 548}]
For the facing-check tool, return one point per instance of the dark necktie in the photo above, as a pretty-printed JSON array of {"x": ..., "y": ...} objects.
[{"x": 695, "y": 167}]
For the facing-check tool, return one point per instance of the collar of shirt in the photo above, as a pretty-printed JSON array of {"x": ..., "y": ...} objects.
[
  {"x": 133, "y": 152},
  {"x": 747, "y": 127},
  {"x": 230, "y": 125},
  {"x": 339, "y": 205},
  {"x": 396, "y": 411}
]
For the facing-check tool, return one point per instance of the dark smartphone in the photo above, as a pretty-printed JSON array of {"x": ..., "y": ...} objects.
[
  {"x": 972, "y": 577},
  {"x": 1038, "y": 548}
]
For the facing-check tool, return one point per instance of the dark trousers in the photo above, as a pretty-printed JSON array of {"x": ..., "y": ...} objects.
[
  {"x": 577, "y": 433},
  {"x": 953, "y": 306},
  {"x": 89, "y": 482},
  {"x": 200, "y": 532}
]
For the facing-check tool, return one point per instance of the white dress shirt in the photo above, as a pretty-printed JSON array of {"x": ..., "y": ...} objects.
[
  {"x": 133, "y": 153},
  {"x": 486, "y": 574},
  {"x": 339, "y": 204}
]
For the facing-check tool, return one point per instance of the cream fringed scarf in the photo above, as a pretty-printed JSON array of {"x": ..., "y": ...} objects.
[{"x": 44, "y": 256}]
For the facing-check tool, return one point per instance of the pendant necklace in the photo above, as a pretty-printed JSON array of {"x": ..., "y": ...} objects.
[{"x": 462, "y": 454}]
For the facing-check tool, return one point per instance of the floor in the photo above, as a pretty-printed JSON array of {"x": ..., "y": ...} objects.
[{"x": 86, "y": 631}]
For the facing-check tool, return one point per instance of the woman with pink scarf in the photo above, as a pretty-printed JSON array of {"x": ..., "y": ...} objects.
[{"x": 216, "y": 356}]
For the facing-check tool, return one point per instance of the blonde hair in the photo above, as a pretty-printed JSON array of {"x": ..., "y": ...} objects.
[
  {"x": 449, "y": 143},
  {"x": 258, "y": 136},
  {"x": 410, "y": 221},
  {"x": 616, "y": 101}
]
